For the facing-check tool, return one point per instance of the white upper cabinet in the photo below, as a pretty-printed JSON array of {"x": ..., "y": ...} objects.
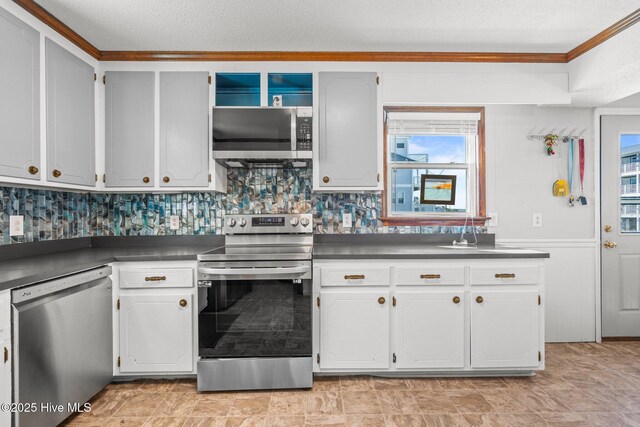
[
  {"x": 184, "y": 129},
  {"x": 129, "y": 128},
  {"x": 20, "y": 95},
  {"x": 349, "y": 146},
  {"x": 70, "y": 117}
]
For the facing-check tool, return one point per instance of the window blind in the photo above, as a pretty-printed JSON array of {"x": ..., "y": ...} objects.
[{"x": 416, "y": 123}]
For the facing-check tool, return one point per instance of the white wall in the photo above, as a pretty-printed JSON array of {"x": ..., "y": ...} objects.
[{"x": 519, "y": 180}]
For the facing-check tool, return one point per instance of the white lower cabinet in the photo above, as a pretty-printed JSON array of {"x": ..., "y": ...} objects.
[
  {"x": 505, "y": 329},
  {"x": 155, "y": 333},
  {"x": 354, "y": 329},
  {"x": 5, "y": 355},
  {"x": 430, "y": 329},
  {"x": 440, "y": 317},
  {"x": 155, "y": 313}
]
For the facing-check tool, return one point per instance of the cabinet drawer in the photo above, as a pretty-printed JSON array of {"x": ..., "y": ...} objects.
[
  {"x": 430, "y": 275},
  {"x": 507, "y": 275},
  {"x": 354, "y": 276},
  {"x": 156, "y": 278}
]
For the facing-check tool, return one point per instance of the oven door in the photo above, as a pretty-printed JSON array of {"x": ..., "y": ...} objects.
[
  {"x": 254, "y": 133},
  {"x": 254, "y": 309}
]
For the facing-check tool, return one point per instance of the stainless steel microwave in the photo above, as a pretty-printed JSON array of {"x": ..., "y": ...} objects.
[{"x": 269, "y": 133}]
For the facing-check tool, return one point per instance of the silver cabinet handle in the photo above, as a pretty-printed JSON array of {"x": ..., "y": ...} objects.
[{"x": 245, "y": 271}]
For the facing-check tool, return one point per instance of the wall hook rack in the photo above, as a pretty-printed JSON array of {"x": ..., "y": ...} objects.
[{"x": 540, "y": 134}]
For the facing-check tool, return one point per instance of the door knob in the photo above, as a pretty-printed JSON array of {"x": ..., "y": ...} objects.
[
  {"x": 479, "y": 300},
  {"x": 608, "y": 228},
  {"x": 609, "y": 244},
  {"x": 381, "y": 300},
  {"x": 183, "y": 303}
]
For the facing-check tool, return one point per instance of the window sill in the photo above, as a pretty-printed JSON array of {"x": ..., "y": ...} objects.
[{"x": 434, "y": 221}]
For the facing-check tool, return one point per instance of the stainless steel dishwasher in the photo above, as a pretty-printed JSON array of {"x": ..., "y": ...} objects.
[{"x": 62, "y": 333}]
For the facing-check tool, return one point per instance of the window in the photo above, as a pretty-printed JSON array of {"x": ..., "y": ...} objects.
[{"x": 433, "y": 141}]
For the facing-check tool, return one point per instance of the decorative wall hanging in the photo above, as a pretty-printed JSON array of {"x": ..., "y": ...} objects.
[{"x": 438, "y": 190}]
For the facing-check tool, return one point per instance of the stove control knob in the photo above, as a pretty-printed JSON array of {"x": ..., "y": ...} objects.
[
  {"x": 232, "y": 222},
  {"x": 243, "y": 222},
  {"x": 304, "y": 221},
  {"x": 294, "y": 222}
]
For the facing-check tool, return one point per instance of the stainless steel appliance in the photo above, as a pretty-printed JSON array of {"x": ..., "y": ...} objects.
[
  {"x": 254, "y": 294},
  {"x": 62, "y": 333},
  {"x": 262, "y": 133}
]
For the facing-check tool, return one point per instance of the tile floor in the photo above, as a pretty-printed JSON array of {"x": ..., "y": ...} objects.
[{"x": 584, "y": 385}]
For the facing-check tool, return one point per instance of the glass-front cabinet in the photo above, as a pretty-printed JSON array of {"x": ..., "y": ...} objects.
[{"x": 279, "y": 89}]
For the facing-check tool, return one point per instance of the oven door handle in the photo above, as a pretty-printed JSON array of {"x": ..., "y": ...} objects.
[{"x": 254, "y": 271}]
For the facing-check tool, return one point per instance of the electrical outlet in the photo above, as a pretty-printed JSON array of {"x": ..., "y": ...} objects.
[
  {"x": 493, "y": 222},
  {"x": 346, "y": 220},
  {"x": 16, "y": 225},
  {"x": 537, "y": 220},
  {"x": 174, "y": 222}
]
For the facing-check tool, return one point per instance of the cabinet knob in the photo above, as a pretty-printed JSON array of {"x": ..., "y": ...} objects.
[
  {"x": 165, "y": 179},
  {"x": 183, "y": 303},
  {"x": 479, "y": 300},
  {"x": 6, "y": 355},
  {"x": 381, "y": 300},
  {"x": 456, "y": 300},
  {"x": 325, "y": 179},
  {"x": 33, "y": 170},
  {"x": 56, "y": 173},
  {"x": 145, "y": 179}
]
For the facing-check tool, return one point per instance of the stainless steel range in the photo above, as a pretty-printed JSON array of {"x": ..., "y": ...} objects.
[{"x": 254, "y": 299}]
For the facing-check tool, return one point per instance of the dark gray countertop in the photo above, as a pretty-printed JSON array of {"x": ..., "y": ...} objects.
[
  {"x": 25, "y": 264},
  {"x": 27, "y": 270},
  {"x": 414, "y": 246},
  {"x": 419, "y": 251}
]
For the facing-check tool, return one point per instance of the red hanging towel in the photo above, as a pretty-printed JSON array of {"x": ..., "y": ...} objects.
[{"x": 582, "y": 199}]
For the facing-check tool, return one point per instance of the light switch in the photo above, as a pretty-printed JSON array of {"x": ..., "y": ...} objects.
[
  {"x": 346, "y": 220},
  {"x": 174, "y": 222},
  {"x": 16, "y": 225}
]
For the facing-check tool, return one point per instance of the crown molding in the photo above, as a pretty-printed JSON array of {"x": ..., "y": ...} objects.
[
  {"x": 286, "y": 56},
  {"x": 42, "y": 14}
]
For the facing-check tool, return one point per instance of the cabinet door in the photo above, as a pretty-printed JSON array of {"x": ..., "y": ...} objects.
[
  {"x": 129, "y": 128},
  {"x": 5, "y": 379},
  {"x": 504, "y": 329},
  {"x": 70, "y": 118},
  {"x": 20, "y": 95},
  {"x": 348, "y": 130},
  {"x": 156, "y": 333},
  {"x": 354, "y": 330},
  {"x": 430, "y": 330},
  {"x": 184, "y": 129}
]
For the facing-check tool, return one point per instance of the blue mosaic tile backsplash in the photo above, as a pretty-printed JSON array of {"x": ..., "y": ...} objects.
[{"x": 53, "y": 215}]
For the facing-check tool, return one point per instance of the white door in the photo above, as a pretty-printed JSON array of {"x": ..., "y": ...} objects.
[
  {"x": 504, "y": 329},
  {"x": 354, "y": 330},
  {"x": 156, "y": 333},
  {"x": 430, "y": 330},
  {"x": 620, "y": 235}
]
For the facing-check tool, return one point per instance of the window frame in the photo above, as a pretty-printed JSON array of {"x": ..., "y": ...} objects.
[{"x": 479, "y": 216}]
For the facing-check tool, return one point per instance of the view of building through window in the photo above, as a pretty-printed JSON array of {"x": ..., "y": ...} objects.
[{"x": 629, "y": 176}]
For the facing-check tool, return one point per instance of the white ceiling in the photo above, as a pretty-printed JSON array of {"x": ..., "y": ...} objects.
[{"x": 339, "y": 25}]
